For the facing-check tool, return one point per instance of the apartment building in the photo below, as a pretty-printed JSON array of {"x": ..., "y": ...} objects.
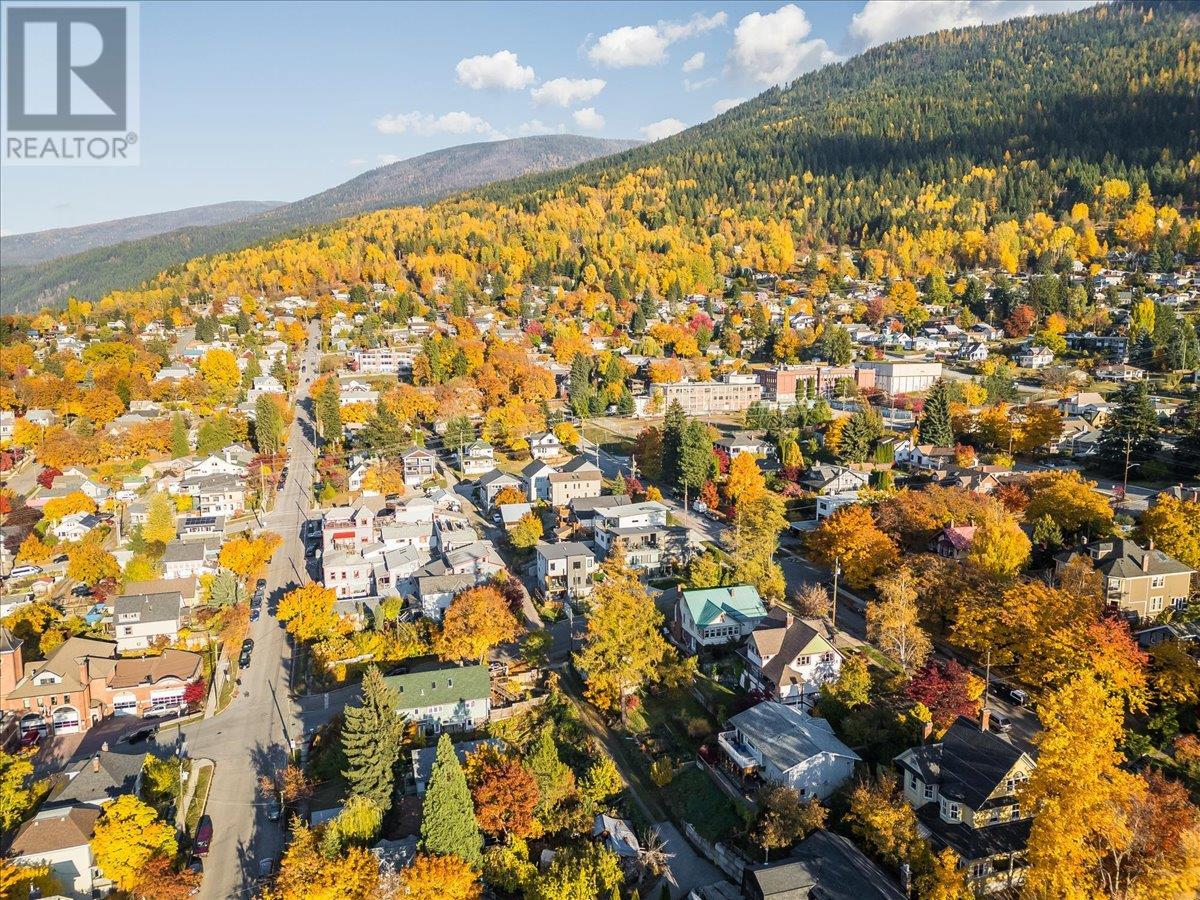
[
  {"x": 903, "y": 377},
  {"x": 732, "y": 394}
]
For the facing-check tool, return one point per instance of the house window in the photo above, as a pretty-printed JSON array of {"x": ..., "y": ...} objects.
[
  {"x": 1156, "y": 604},
  {"x": 1158, "y": 581},
  {"x": 929, "y": 792},
  {"x": 805, "y": 660},
  {"x": 995, "y": 816},
  {"x": 981, "y": 869},
  {"x": 912, "y": 781},
  {"x": 1016, "y": 811}
]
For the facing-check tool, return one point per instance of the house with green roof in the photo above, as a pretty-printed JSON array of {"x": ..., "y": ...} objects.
[
  {"x": 716, "y": 616},
  {"x": 454, "y": 698}
]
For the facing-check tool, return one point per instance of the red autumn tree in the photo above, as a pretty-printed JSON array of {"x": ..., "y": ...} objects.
[
  {"x": 1020, "y": 321},
  {"x": 947, "y": 689},
  {"x": 505, "y": 795},
  {"x": 47, "y": 475}
]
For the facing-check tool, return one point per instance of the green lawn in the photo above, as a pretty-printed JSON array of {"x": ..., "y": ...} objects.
[
  {"x": 679, "y": 719},
  {"x": 199, "y": 798},
  {"x": 695, "y": 798}
]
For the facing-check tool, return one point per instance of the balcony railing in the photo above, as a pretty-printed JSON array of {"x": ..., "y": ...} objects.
[{"x": 737, "y": 751}]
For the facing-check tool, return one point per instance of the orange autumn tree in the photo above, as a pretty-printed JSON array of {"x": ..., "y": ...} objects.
[
  {"x": 246, "y": 557},
  {"x": 478, "y": 619},
  {"x": 504, "y": 791},
  {"x": 74, "y": 502},
  {"x": 851, "y": 538}
]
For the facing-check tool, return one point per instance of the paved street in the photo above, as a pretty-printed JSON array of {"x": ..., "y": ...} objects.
[{"x": 250, "y": 737}]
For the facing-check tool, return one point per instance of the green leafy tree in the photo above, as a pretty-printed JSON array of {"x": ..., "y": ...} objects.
[
  {"x": 383, "y": 432},
  {"x": 584, "y": 871},
  {"x": 459, "y": 432},
  {"x": 674, "y": 424},
  {"x": 860, "y": 433},
  {"x": 837, "y": 347},
  {"x": 448, "y": 817},
  {"x": 224, "y": 588},
  {"x": 329, "y": 412},
  {"x": 371, "y": 740},
  {"x": 696, "y": 461},
  {"x": 554, "y": 778}
]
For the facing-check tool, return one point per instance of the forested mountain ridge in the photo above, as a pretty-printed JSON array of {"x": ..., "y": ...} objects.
[
  {"x": 422, "y": 179},
  {"x": 53, "y": 243},
  {"x": 899, "y": 134}
]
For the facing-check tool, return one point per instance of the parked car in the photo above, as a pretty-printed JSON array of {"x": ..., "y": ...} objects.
[
  {"x": 81, "y": 590},
  {"x": 30, "y": 739},
  {"x": 247, "y": 650},
  {"x": 274, "y": 810},
  {"x": 255, "y": 613},
  {"x": 261, "y": 584},
  {"x": 142, "y": 734},
  {"x": 204, "y": 833},
  {"x": 22, "y": 571},
  {"x": 1001, "y": 723}
]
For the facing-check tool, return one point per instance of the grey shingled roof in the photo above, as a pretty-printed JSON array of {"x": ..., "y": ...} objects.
[
  {"x": 1125, "y": 559},
  {"x": 786, "y": 736},
  {"x": 161, "y": 607}
]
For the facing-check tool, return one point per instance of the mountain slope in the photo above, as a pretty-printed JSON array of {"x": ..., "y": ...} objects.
[
  {"x": 421, "y": 179},
  {"x": 41, "y": 246}
]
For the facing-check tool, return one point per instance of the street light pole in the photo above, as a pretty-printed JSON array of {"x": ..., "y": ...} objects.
[{"x": 837, "y": 570}]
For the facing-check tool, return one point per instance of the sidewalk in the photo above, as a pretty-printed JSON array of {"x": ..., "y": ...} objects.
[{"x": 185, "y": 802}]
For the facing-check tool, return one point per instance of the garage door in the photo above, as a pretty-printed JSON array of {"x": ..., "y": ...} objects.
[
  {"x": 125, "y": 705},
  {"x": 66, "y": 720}
]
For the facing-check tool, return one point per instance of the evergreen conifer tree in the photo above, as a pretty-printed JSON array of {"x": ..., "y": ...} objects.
[
  {"x": 371, "y": 737},
  {"x": 448, "y": 817},
  {"x": 179, "y": 436},
  {"x": 1131, "y": 432},
  {"x": 673, "y": 425},
  {"x": 935, "y": 427}
]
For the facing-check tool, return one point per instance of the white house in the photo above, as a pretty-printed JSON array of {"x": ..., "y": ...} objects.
[
  {"x": 544, "y": 445},
  {"x": 140, "y": 620},
  {"x": 75, "y": 527},
  {"x": 61, "y": 839},
  {"x": 782, "y": 745},
  {"x": 536, "y": 480},
  {"x": 214, "y": 465},
  {"x": 1034, "y": 357},
  {"x": 476, "y": 458},
  {"x": 347, "y": 573},
  {"x": 790, "y": 658}
]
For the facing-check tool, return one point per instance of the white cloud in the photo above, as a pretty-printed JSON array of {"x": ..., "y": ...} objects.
[
  {"x": 727, "y": 104},
  {"x": 772, "y": 49},
  {"x": 357, "y": 161},
  {"x": 386, "y": 159},
  {"x": 426, "y": 124},
  {"x": 588, "y": 118},
  {"x": 689, "y": 85},
  {"x": 537, "y": 126},
  {"x": 694, "y": 62},
  {"x": 881, "y": 21},
  {"x": 656, "y": 131},
  {"x": 500, "y": 70},
  {"x": 646, "y": 45},
  {"x": 567, "y": 91}
]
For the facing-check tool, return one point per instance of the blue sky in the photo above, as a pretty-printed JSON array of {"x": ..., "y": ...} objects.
[{"x": 274, "y": 101}]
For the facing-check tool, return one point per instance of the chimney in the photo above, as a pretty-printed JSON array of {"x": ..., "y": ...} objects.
[
  {"x": 927, "y": 732},
  {"x": 788, "y": 618},
  {"x": 985, "y": 719},
  {"x": 104, "y": 746},
  {"x": 1146, "y": 559},
  {"x": 96, "y": 763}
]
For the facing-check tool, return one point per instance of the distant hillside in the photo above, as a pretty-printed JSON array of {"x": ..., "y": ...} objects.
[
  {"x": 419, "y": 180},
  {"x": 41, "y": 246}
]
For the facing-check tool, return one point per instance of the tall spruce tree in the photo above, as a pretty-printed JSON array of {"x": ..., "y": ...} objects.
[
  {"x": 329, "y": 412},
  {"x": 448, "y": 817},
  {"x": 268, "y": 425},
  {"x": 383, "y": 432},
  {"x": 696, "y": 461},
  {"x": 179, "y": 436},
  {"x": 371, "y": 738},
  {"x": 935, "y": 427},
  {"x": 673, "y": 425},
  {"x": 860, "y": 433},
  {"x": 1131, "y": 432}
]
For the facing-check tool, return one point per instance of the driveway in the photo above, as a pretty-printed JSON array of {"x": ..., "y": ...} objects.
[{"x": 688, "y": 870}]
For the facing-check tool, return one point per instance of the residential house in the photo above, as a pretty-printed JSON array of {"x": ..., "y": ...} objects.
[
  {"x": 583, "y": 511},
  {"x": 188, "y": 588},
  {"x": 1120, "y": 372},
  {"x": 435, "y": 592},
  {"x": 1138, "y": 581},
  {"x": 75, "y": 527},
  {"x": 420, "y": 465},
  {"x": 493, "y": 483},
  {"x": 564, "y": 570},
  {"x": 1115, "y": 347},
  {"x": 85, "y": 680},
  {"x": 823, "y": 866},
  {"x": 1086, "y": 404},
  {"x": 781, "y": 745},
  {"x": 789, "y": 658},
  {"x": 923, "y": 456},
  {"x": 193, "y": 528},
  {"x": 1034, "y": 356},
  {"x": 512, "y": 513},
  {"x": 476, "y": 458},
  {"x": 545, "y": 445},
  {"x": 60, "y": 838},
  {"x": 825, "y": 479},
  {"x": 965, "y": 790},
  {"x": 713, "y": 617},
  {"x": 618, "y": 837},
  {"x": 183, "y": 559},
  {"x": 215, "y": 495},
  {"x": 97, "y": 780},
  {"x": 535, "y": 480},
  {"x": 743, "y": 442},
  {"x": 348, "y": 573},
  {"x": 347, "y": 528},
  {"x": 954, "y": 541},
  {"x": 642, "y": 531},
  {"x": 576, "y": 480},
  {"x": 973, "y": 352},
  {"x": 424, "y": 757},
  {"x": 215, "y": 464},
  {"x": 451, "y": 698},
  {"x": 141, "y": 621}
]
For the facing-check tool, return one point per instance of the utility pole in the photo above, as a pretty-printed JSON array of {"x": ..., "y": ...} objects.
[
  {"x": 837, "y": 570},
  {"x": 987, "y": 678}
]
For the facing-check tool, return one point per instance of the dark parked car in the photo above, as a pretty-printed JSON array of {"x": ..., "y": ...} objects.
[
  {"x": 261, "y": 584},
  {"x": 247, "y": 649},
  {"x": 142, "y": 734},
  {"x": 29, "y": 739},
  {"x": 274, "y": 810},
  {"x": 255, "y": 612},
  {"x": 204, "y": 833}
]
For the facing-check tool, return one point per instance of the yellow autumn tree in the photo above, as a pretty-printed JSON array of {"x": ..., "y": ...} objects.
[
  {"x": 851, "y": 538},
  {"x": 220, "y": 373},
  {"x": 477, "y": 619},
  {"x": 307, "y": 873},
  {"x": 127, "y": 837},
  {"x": 74, "y": 502},
  {"x": 248, "y": 556},
  {"x": 307, "y": 612},
  {"x": 1000, "y": 548}
]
